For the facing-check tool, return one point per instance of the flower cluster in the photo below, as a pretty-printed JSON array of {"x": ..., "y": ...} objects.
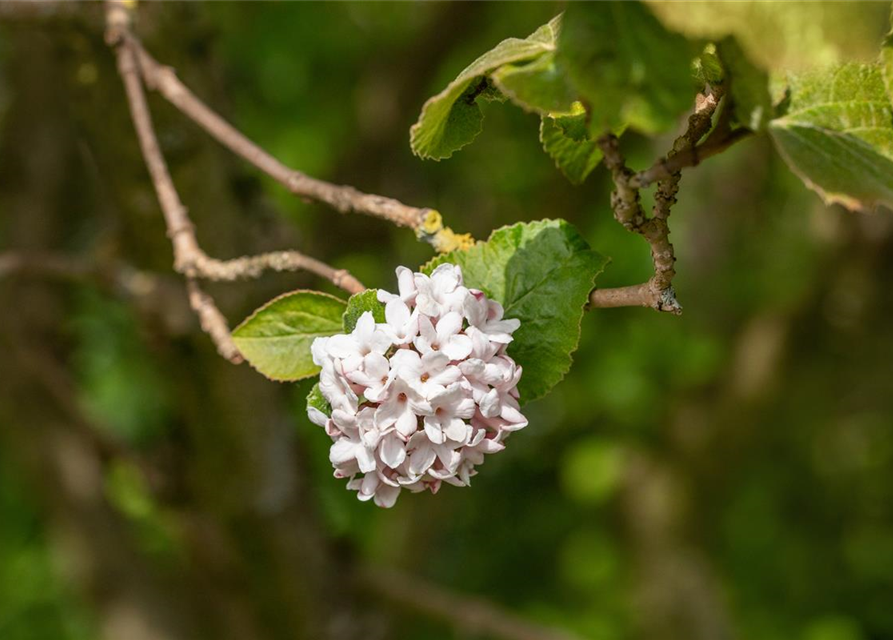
[{"x": 419, "y": 399}]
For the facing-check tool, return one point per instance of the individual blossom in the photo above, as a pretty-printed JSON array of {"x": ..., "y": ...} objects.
[{"x": 421, "y": 398}]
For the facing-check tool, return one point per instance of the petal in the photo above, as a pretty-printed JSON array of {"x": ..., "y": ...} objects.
[
  {"x": 449, "y": 325},
  {"x": 406, "y": 283},
  {"x": 365, "y": 326},
  {"x": 342, "y": 346},
  {"x": 343, "y": 450},
  {"x": 421, "y": 459},
  {"x": 365, "y": 459},
  {"x": 386, "y": 496},
  {"x": 407, "y": 423},
  {"x": 457, "y": 430},
  {"x": 317, "y": 417},
  {"x": 392, "y": 451},
  {"x": 490, "y": 404},
  {"x": 458, "y": 347},
  {"x": 433, "y": 431}
]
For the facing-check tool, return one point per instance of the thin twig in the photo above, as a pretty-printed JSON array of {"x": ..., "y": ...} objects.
[
  {"x": 658, "y": 292},
  {"x": 212, "y": 321},
  {"x": 474, "y": 616},
  {"x": 689, "y": 158},
  {"x": 341, "y": 198},
  {"x": 179, "y": 226}
]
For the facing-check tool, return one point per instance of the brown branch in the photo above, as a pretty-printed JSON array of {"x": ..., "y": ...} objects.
[
  {"x": 474, "y": 616},
  {"x": 179, "y": 226},
  {"x": 658, "y": 292},
  {"x": 341, "y": 198},
  {"x": 692, "y": 157},
  {"x": 189, "y": 258},
  {"x": 253, "y": 266}
]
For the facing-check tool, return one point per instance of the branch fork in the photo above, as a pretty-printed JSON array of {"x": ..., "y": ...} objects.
[{"x": 658, "y": 292}]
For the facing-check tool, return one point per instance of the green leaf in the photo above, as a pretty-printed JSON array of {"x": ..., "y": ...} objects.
[
  {"x": 542, "y": 272},
  {"x": 837, "y": 135},
  {"x": 626, "y": 66},
  {"x": 360, "y": 303},
  {"x": 749, "y": 86},
  {"x": 566, "y": 139},
  {"x": 276, "y": 338},
  {"x": 539, "y": 86},
  {"x": 316, "y": 400},
  {"x": 452, "y": 119}
]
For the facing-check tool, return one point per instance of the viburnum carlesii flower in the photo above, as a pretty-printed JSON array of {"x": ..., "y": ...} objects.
[{"x": 421, "y": 398}]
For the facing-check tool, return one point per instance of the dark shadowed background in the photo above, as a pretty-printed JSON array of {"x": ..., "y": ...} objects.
[{"x": 723, "y": 474}]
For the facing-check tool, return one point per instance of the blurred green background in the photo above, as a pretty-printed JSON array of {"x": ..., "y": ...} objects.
[{"x": 724, "y": 474}]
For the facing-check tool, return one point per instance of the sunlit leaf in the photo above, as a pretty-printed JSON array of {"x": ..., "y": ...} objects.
[
  {"x": 542, "y": 272},
  {"x": 452, "y": 119},
  {"x": 539, "y": 86},
  {"x": 276, "y": 338},
  {"x": 566, "y": 139},
  {"x": 837, "y": 135}
]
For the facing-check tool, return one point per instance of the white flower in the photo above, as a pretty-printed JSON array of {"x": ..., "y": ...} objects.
[
  {"x": 401, "y": 408},
  {"x": 371, "y": 487},
  {"x": 442, "y": 292},
  {"x": 486, "y": 315},
  {"x": 366, "y": 338},
  {"x": 402, "y": 324},
  {"x": 375, "y": 375},
  {"x": 446, "y": 337},
  {"x": 421, "y": 398},
  {"x": 428, "y": 374},
  {"x": 405, "y": 285},
  {"x": 448, "y": 408}
]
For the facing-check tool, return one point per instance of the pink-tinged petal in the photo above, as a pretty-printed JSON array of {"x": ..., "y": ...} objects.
[
  {"x": 392, "y": 452},
  {"x": 342, "y": 346},
  {"x": 421, "y": 459},
  {"x": 490, "y": 406},
  {"x": 332, "y": 430},
  {"x": 434, "y": 361},
  {"x": 448, "y": 457},
  {"x": 365, "y": 459},
  {"x": 464, "y": 408},
  {"x": 472, "y": 367},
  {"x": 397, "y": 313},
  {"x": 490, "y": 445},
  {"x": 449, "y": 325},
  {"x": 386, "y": 496},
  {"x": 475, "y": 308},
  {"x": 407, "y": 423},
  {"x": 513, "y": 415},
  {"x": 388, "y": 413},
  {"x": 342, "y": 451},
  {"x": 407, "y": 363},
  {"x": 365, "y": 327},
  {"x": 457, "y": 430},
  {"x": 406, "y": 284},
  {"x": 317, "y": 417},
  {"x": 457, "y": 348},
  {"x": 318, "y": 351},
  {"x": 344, "y": 420},
  {"x": 446, "y": 377},
  {"x": 433, "y": 431},
  {"x": 376, "y": 366},
  {"x": 385, "y": 296}
]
